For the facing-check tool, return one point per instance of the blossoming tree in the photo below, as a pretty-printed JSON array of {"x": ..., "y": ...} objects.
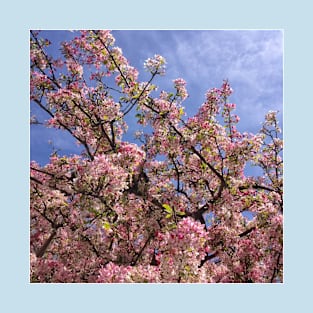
[{"x": 120, "y": 212}]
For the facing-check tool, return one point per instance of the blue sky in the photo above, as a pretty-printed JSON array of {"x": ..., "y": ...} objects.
[{"x": 252, "y": 61}]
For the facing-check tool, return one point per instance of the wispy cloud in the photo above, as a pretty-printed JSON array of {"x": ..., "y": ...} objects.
[{"x": 251, "y": 60}]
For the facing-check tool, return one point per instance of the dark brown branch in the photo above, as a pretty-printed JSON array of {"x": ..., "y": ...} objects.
[
  {"x": 94, "y": 249},
  {"x": 46, "y": 244},
  {"x": 112, "y": 58},
  {"x": 134, "y": 262},
  {"x": 43, "y": 214},
  {"x": 256, "y": 186},
  {"x": 196, "y": 152},
  {"x": 198, "y": 215},
  {"x": 42, "y": 171},
  {"x": 53, "y": 79},
  {"x": 215, "y": 254},
  {"x": 276, "y": 269},
  {"x": 208, "y": 257},
  {"x": 113, "y": 136},
  {"x": 177, "y": 174},
  {"x": 36, "y": 180},
  {"x": 246, "y": 232}
]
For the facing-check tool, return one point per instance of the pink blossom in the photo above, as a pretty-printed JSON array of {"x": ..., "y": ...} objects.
[
  {"x": 155, "y": 64},
  {"x": 174, "y": 207}
]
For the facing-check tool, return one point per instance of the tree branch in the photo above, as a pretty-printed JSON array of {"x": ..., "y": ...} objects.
[
  {"x": 134, "y": 262},
  {"x": 246, "y": 232},
  {"x": 46, "y": 244},
  {"x": 207, "y": 258}
]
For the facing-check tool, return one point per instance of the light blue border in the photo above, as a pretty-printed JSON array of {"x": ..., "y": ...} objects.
[{"x": 296, "y": 21}]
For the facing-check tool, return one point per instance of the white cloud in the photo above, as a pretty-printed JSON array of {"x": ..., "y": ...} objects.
[{"x": 251, "y": 60}]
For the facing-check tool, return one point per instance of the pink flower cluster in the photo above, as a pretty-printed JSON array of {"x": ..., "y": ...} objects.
[
  {"x": 182, "y": 250},
  {"x": 113, "y": 273},
  {"x": 74, "y": 67},
  {"x": 180, "y": 85},
  {"x": 172, "y": 209},
  {"x": 155, "y": 65}
]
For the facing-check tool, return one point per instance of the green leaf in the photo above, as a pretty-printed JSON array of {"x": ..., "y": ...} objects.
[
  {"x": 168, "y": 215},
  {"x": 171, "y": 226},
  {"x": 187, "y": 268},
  {"x": 180, "y": 213},
  {"x": 203, "y": 166},
  {"x": 106, "y": 226},
  {"x": 168, "y": 209}
]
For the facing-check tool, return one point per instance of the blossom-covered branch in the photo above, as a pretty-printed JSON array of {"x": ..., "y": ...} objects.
[{"x": 173, "y": 209}]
